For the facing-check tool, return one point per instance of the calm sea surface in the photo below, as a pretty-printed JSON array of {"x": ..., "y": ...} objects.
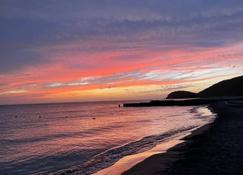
[{"x": 46, "y": 138}]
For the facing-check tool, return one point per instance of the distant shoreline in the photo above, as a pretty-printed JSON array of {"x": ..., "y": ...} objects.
[{"x": 181, "y": 102}]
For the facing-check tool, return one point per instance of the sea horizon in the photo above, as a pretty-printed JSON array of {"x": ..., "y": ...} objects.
[{"x": 64, "y": 102}]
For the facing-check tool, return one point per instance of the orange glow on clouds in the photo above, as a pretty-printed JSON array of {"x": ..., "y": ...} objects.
[{"x": 120, "y": 75}]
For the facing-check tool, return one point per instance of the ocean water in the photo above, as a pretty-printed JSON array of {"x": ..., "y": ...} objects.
[{"x": 48, "y": 138}]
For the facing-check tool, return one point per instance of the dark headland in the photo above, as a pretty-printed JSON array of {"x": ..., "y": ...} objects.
[
  {"x": 225, "y": 90},
  {"x": 215, "y": 149}
]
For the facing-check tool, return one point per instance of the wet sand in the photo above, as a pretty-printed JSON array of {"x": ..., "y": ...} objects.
[
  {"x": 214, "y": 149},
  {"x": 128, "y": 162}
]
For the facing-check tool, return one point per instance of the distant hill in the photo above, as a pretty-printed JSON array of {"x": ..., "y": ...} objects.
[
  {"x": 181, "y": 94},
  {"x": 226, "y": 88}
]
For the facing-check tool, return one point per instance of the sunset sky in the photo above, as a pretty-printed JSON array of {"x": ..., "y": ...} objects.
[{"x": 89, "y": 50}]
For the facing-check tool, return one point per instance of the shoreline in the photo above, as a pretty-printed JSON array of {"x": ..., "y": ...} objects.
[
  {"x": 131, "y": 161},
  {"x": 135, "y": 162},
  {"x": 211, "y": 149},
  {"x": 162, "y": 161}
]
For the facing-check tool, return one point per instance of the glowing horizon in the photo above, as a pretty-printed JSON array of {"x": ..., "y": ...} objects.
[{"x": 111, "y": 50}]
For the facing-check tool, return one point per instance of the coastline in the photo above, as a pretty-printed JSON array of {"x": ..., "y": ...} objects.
[
  {"x": 146, "y": 163},
  {"x": 129, "y": 162},
  {"x": 211, "y": 149},
  {"x": 160, "y": 162}
]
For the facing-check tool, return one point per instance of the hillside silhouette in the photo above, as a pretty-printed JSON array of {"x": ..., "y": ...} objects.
[{"x": 226, "y": 88}]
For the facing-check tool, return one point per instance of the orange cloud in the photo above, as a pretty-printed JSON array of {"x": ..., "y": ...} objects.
[{"x": 120, "y": 70}]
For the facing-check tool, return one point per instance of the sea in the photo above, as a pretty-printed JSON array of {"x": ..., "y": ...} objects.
[{"x": 86, "y": 137}]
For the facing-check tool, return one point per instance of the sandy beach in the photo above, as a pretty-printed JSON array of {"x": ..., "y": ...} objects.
[{"x": 213, "y": 149}]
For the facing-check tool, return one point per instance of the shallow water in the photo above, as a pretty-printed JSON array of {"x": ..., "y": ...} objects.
[{"x": 40, "y": 139}]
